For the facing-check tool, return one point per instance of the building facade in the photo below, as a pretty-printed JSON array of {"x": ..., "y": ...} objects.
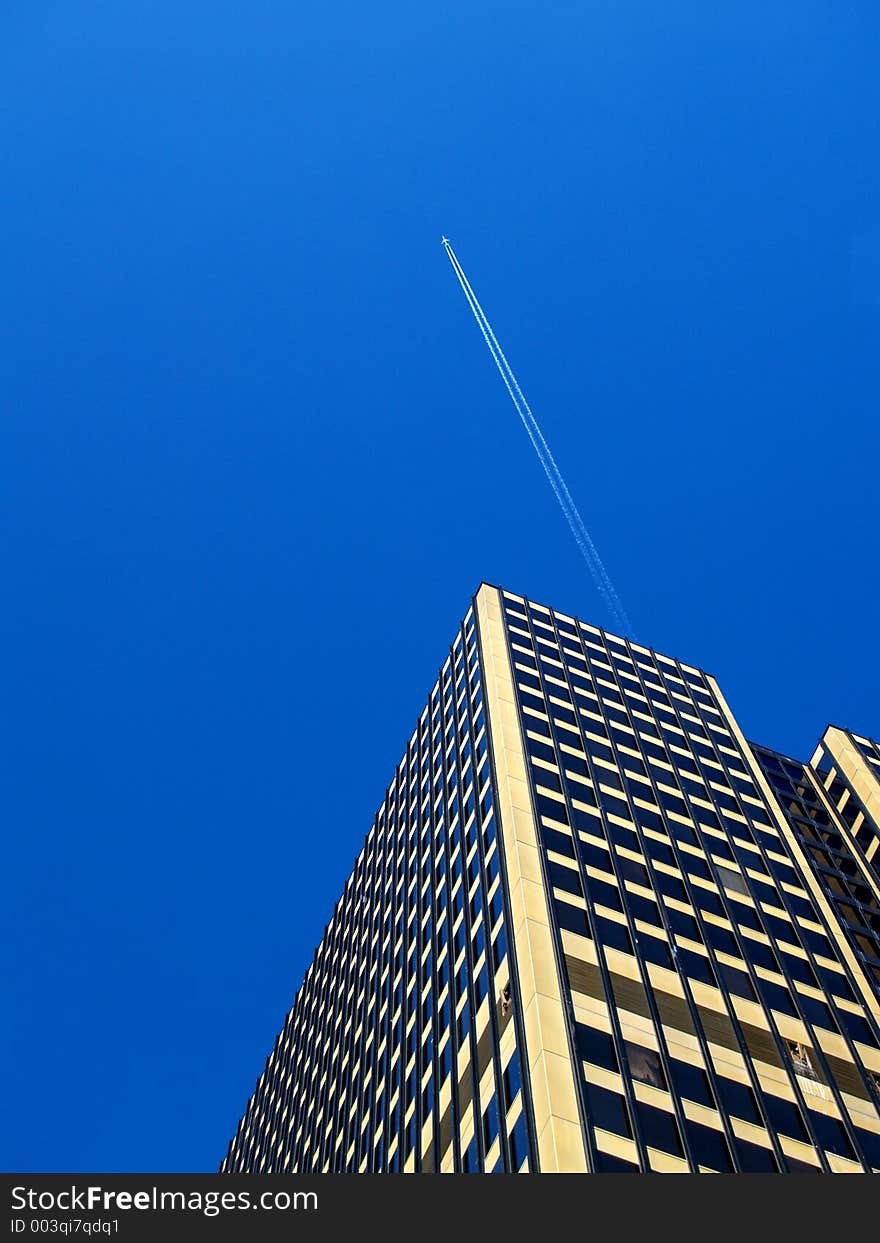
[{"x": 592, "y": 929}]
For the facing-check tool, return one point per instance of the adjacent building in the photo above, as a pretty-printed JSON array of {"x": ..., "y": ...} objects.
[{"x": 592, "y": 929}]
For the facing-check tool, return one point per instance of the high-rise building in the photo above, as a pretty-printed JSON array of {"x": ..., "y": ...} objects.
[{"x": 591, "y": 929}]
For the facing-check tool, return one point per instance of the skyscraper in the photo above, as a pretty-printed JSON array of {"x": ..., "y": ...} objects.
[{"x": 591, "y": 929}]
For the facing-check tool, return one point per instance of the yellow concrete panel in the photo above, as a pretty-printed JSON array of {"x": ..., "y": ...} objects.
[
  {"x": 546, "y": 1148},
  {"x": 560, "y": 1086},
  {"x": 666, "y": 981},
  {"x": 571, "y": 1157},
  {"x": 638, "y": 1028},
  {"x": 791, "y": 1028},
  {"x": 535, "y": 898},
  {"x": 530, "y": 863},
  {"x": 748, "y": 1011},
  {"x": 729, "y": 1061},
  {"x": 752, "y": 1134},
  {"x": 543, "y": 962},
  {"x": 862, "y": 1112},
  {"x": 833, "y": 1044},
  {"x": 546, "y": 1049},
  {"x": 869, "y": 1055},
  {"x": 664, "y": 1163},
  {"x": 800, "y": 1152},
  {"x": 554, "y": 1037},
  {"x": 651, "y": 1096},
  {"x": 519, "y": 794},
  {"x": 592, "y": 1011},
  {"x": 683, "y": 1045},
  {"x": 602, "y": 1078},
  {"x": 524, "y": 826},
  {"x": 840, "y": 1165},
  {"x": 699, "y": 1113},
  {"x": 578, "y": 946},
  {"x": 532, "y": 1025},
  {"x": 616, "y": 1146}
]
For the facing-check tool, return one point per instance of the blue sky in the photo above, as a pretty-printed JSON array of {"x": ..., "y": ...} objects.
[{"x": 255, "y": 459}]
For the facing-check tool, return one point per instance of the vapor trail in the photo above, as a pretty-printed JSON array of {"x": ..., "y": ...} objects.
[
  {"x": 539, "y": 445},
  {"x": 581, "y": 534},
  {"x": 548, "y": 462}
]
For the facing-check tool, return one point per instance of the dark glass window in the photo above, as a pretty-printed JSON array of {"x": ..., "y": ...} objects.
[
  {"x": 671, "y": 886},
  {"x": 696, "y": 966},
  {"x": 869, "y": 1142},
  {"x": 737, "y": 981},
  {"x": 511, "y": 1081},
  {"x": 560, "y": 842},
  {"x": 707, "y": 901},
  {"x": 816, "y": 943},
  {"x": 659, "y": 851},
  {"x": 683, "y": 925},
  {"x": 672, "y": 802},
  {"x": 722, "y": 940},
  {"x": 563, "y": 878},
  {"x": 817, "y": 1012},
  {"x": 644, "y": 1065},
  {"x": 573, "y": 764},
  {"x": 572, "y": 918},
  {"x": 610, "y": 933},
  {"x": 781, "y": 929},
  {"x": 540, "y": 750},
  {"x": 738, "y": 1099},
  {"x": 643, "y": 908},
  {"x": 658, "y": 1128},
  {"x": 691, "y": 1082},
  {"x": 631, "y": 870},
  {"x": 785, "y": 1118},
  {"x": 490, "y": 1124},
  {"x": 595, "y": 856},
  {"x": 618, "y": 807},
  {"x": 607, "y": 1110},
  {"x": 607, "y": 1164},
  {"x": 776, "y": 997},
  {"x": 835, "y": 983},
  {"x": 754, "y": 1159},
  {"x": 606, "y": 895},
  {"x": 595, "y": 1046},
  {"x": 583, "y": 820},
  {"x": 518, "y": 1144},
  {"x": 760, "y": 955},
  {"x": 708, "y": 1147},
  {"x": 551, "y": 808},
  {"x": 599, "y": 751},
  {"x": 799, "y": 1167},
  {"x": 831, "y": 1134},
  {"x": 622, "y": 836},
  {"x": 656, "y": 951},
  {"x": 856, "y": 1027},
  {"x": 744, "y": 914},
  {"x": 695, "y": 866}
]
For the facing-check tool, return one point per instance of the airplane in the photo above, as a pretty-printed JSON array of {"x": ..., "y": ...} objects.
[{"x": 444, "y": 241}]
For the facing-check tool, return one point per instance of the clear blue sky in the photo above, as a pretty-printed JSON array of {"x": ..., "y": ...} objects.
[{"x": 255, "y": 458}]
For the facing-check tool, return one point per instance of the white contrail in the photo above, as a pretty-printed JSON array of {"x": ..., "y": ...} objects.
[
  {"x": 581, "y": 534},
  {"x": 540, "y": 446},
  {"x": 542, "y": 449},
  {"x": 570, "y": 510}
]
